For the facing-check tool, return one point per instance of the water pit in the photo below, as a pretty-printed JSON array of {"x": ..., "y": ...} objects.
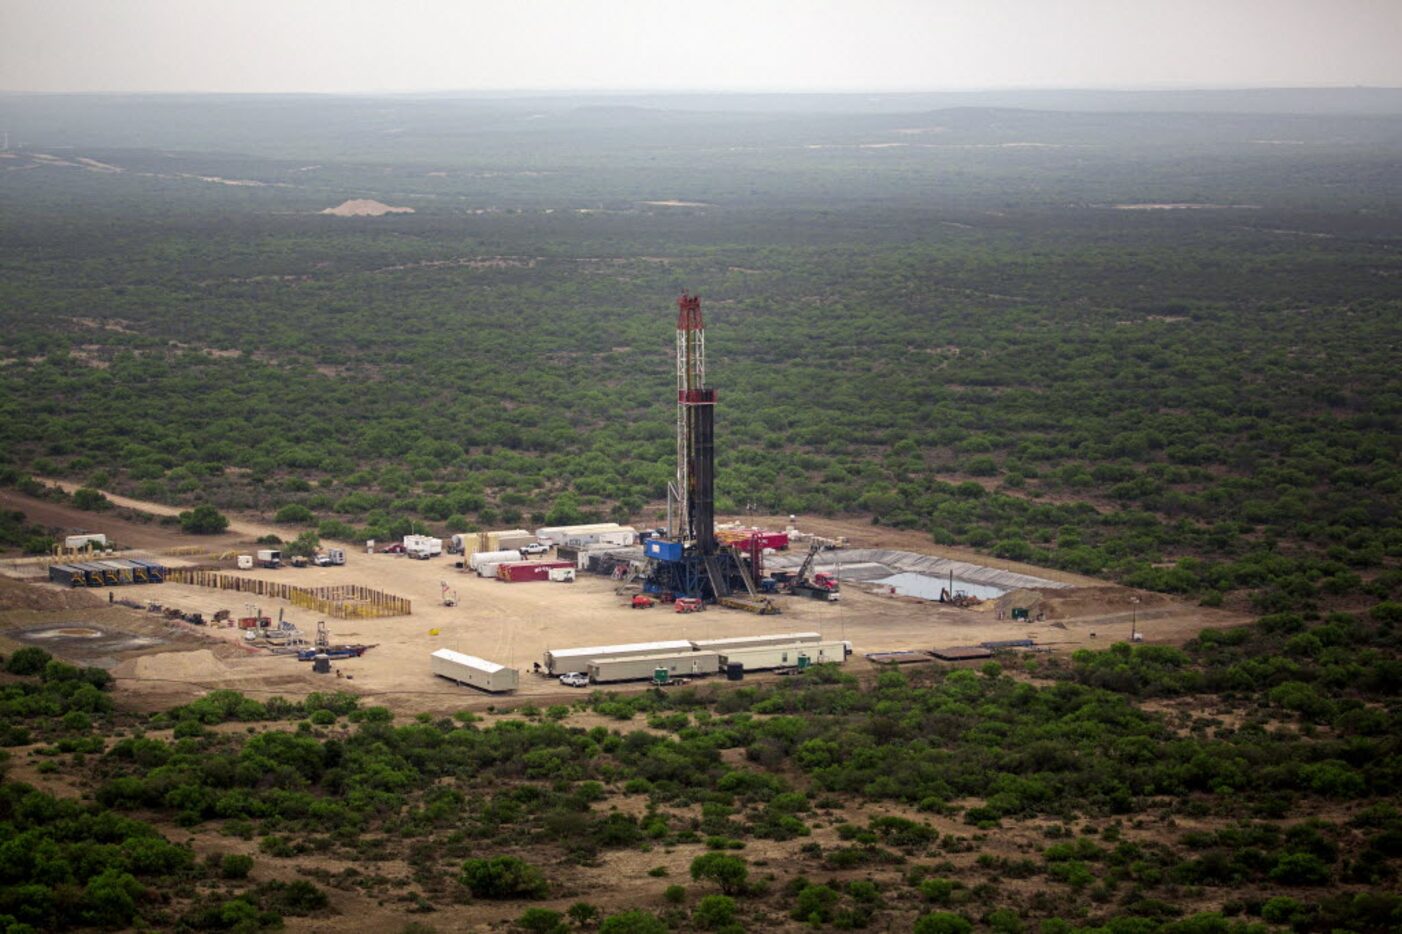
[
  {"x": 910, "y": 584},
  {"x": 917, "y": 575}
]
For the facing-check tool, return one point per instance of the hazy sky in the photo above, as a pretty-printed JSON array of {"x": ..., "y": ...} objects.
[{"x": 822, "y": 45}]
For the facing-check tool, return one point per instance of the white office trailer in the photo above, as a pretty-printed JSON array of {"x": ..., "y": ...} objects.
[
  {"x": 679, "y": 664},
  {"x": 473, "y": 671},
  {"x": 767, "y": 657},
  {"x": 580, "y": 536},
  {"x": 90, "y": 539},
  {"x": 558, "y": 661},
  {"x": 749, "y": 642}
]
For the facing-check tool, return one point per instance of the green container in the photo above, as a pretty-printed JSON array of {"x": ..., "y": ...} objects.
[{"x": 660, "y": 676}]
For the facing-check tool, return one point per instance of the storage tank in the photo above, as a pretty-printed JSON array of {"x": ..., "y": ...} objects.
[
  {"x": 492, "y": 557},
  {"x": 473, "y": 671}
]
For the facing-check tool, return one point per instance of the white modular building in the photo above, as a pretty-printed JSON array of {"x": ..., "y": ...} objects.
[
  {"x": 558, "y": 661},
  {"x": 473, "y": 671},
  {"x": 748, "y": 642},
  {"x": 646, "y": 667}
]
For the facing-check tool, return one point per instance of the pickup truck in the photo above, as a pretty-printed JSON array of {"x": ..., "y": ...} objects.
[
  {"x": 534, "y": 548},
  {"x": 575, "y": 679}
]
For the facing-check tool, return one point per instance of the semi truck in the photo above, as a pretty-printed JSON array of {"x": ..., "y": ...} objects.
[{"x": 269, "y": 558}]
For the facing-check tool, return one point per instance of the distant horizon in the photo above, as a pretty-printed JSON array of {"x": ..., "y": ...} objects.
[
  {"x": 719, "y": 91},
  {"x": 365, "y": 47}
]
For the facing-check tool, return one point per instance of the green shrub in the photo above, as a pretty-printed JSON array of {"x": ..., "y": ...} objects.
[
  {"x": 541, "y": 921},
  {"x": 729, "y": 872},
  {"x": 504, "y": 877},
  {"x": 27, "y": 661},
  {"x": 714, "y": 911},
  {"x": 235, "y": 866},
  {"x": 942, "y": 922},
  {"x": 633, "y": 922}
]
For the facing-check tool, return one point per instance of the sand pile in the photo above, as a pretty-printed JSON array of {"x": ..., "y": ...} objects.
[{"x": 365, "y": 207}]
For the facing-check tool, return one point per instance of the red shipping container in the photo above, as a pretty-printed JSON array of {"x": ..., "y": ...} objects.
[{"x": 515, "y": 572}]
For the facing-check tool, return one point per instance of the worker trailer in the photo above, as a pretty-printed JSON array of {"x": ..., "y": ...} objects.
[
  {"x": 661, "y": 667},
  {"x": 473, "y": 671},
  {"x": 794, "y": 655},
  {"x": 750, "y": 642},
  {"x": 561, "y": 660}
]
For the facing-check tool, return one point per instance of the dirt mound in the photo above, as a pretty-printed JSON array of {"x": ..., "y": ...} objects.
[
  {"x": 365, "y": 207},
  {"x": 1097, "y": 601},
  {"x": 200, "y": 665},
  {"x": 22, "y": 595}
]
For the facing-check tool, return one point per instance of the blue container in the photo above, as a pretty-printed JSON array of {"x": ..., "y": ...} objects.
[{"x": 663, "y": 550}]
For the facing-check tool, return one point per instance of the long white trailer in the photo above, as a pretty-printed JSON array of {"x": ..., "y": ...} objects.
[
  {"x": 473, "y": 671},
  {"x": 748, "y": 642},
  {"x": 558, "y": 661},
  {"x": 680, "y": 664},
  {"x": 765, "y": 657},
  {"x": 598, "y": 533}
]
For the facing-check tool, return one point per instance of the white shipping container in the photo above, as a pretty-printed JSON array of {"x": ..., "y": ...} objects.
[
  {"x": 561, "y": 574},
  {"x": 514, "y": 539},
  {"x": 245, "y": 562},
  {"x": 473, "y": 671},
  {"x": 643, "y": 667},
  {"x": 95, "y": 539},
  {"x": 558, "y": 661},
  {"x": 562, "y": 534},
  {"x": 745, "y": 642}
]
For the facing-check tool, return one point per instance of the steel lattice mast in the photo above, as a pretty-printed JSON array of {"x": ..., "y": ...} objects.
[{"x": 694, "y": 517}]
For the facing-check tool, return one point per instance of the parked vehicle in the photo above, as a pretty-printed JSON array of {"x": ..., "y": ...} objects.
[
  {"x": 422, "y": 547},
  {"x": 690, "y": 605},
  {"x": 643, "y": 601},
  {"x": 575, "y": 679},
  {"x": 534, "y": 548},
  {"x": 269, "y": 558},
  {"x": 330, "y": 557}
]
